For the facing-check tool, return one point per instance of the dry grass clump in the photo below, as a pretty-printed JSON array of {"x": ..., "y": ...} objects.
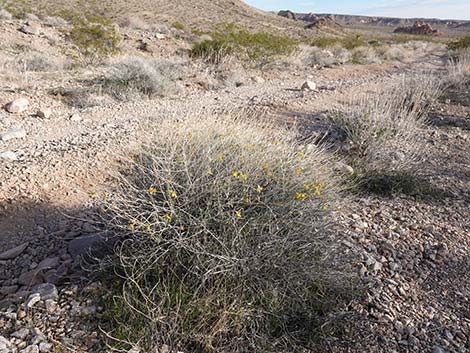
[
  {"x": 40, "y": 62},
  {"x": 135, "y": 77},
  {"x": 383, "y": 130},
  {"x": 55, "y": 21},
  {"x": 459, "y": 68},
  {"x": 225, "y": 243},
  {"x": 365, "y": 55}
]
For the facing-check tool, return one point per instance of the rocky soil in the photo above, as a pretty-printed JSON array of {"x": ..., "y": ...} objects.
[{"x": 414, "y": 250}]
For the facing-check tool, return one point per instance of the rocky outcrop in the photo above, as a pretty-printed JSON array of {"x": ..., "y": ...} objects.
[
  {"x": 418, "y": 28},
  {"x": 287, "y": 14}
]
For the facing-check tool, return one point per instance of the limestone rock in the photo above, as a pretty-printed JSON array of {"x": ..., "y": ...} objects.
[{"x": 18, "y": 105}]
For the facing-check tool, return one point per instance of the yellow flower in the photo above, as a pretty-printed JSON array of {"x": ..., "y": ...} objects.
[
  {"x": 298, "y": 171},
  {"x": 259, "y": 189},
  {"x": 148, "y": 227},
  {"x": 182, "y": 228},
  {"x": 235, "y": 174},
  {"x": 244, "y": 176},
  {"x": 173, "y": 194},
  {"x": 167, "y": 217},
  {"x": 132, "y": 224},
  {"x": 301, "y": 154},
  {"x": 220, "y": 157},
  {"x": 307, "y": 187},
  {"x": 246, "y": 200},
  {"x": 152, "y": 190},
  {"x": 238, "y": 214},
  {"x": 209, "y": 171},
  {"x": 269, "y": 174},
  {"x": 301, "y": 196}
]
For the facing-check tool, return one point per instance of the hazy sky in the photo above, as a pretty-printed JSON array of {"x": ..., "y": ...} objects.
[{"x": 448, "y": 9}]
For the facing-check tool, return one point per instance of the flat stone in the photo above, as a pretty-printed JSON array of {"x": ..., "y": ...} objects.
[
  {"x": 17, "y": 106},
  {"x": 13, "y": 253},
  {"x": 82, "y": 245},
  {"x": 46, "y": 291},
  {"x": 13, "y": 133},
  {"x": 31, "y": 278},
  {"x": 45, "y": 347},
  {"x": 48, "y": 263},
  {"x": 8, "y": 156},
  {"x": 75, "y": 117},
  {"x": 8, "y": 290},
  {"x": 32, "y": 28},
  {"x": 30, "y": 349},
  {"x": 21, "y": 334}
]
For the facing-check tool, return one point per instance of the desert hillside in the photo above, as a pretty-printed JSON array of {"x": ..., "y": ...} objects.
[{"x": 204, "y": 177}]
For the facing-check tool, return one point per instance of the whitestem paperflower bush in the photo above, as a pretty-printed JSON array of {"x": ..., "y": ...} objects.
[{"x": 226, "y": 243}]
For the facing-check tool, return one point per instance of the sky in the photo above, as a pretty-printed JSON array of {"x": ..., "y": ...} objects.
[{"x": 445, "y": 9}]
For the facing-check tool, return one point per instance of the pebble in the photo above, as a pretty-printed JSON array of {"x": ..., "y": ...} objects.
[
  {"x": 309, "y": 86},
  {"x": 33, "y": 300},
  {"x": 14, "y": 252},
  {"x": 75, "y": 117},
  {"x": 45, "y": 291},
  {"x": 44, "y": 113},
  {"x": 13, "y": 133},
  {"x": 8, "y": 156},
  {"x": 21, "y": 334},
  {"x": 17, "y": 106}
]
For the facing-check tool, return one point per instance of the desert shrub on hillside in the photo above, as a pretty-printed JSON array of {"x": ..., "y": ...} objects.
[
  {"x": 225, "y": 243},
  {"x": 5, "y": 15},
  {"x": 461, "y": 43},
  {"x": 55, "y": 21},
  {"x": 459, "y": 68},
  {"x": 349, "y": 42},
  {"x": 94, "y": 36},
  {"x": 364, "y": 55},
  {"x": 134, "y": 77},
  {"x": 384, "y": 130},
  {"x": 229, "y": 40},
  {"x": 36, "y": 61}
]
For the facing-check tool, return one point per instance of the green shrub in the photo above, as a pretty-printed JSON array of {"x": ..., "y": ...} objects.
[
  {"x": 461, "y": 43},
  {"x": 178, "y": 25},
  {"x": 233, "y": 40},
  {"x": 94, "y": 36},
  {"x": 225, "y": 244}
]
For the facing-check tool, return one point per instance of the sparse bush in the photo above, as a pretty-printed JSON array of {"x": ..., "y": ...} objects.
[
  {"x": 383, "y": 131},
  {"x": 5, "y": 15},
  {"x": 232, "y": 40},
  {"x": 134, "y": 23},
  {"x": 225, "y": 243},
  {"x": 318, "y": 57},
  {"x": 134, "y": 77},
  {"x": 178, "y": 25},
  {"x": 364, "y": 55},
  {"x": 94, "y": 36},
  {"x": 36, "y": 61},
  {"x": 80, "y": 98},
  {"x": 461, "y": 43},
  {"x": 55, "y": 21},
  {"x": 459, "y": 68},
  {"x": 394, "y": 52},
  {"x": 349, "y": 43}
]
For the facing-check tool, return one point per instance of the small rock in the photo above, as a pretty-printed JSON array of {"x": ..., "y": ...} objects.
[
  {"x": 13, "y": 253},
  {"x": 81, "y": 245},
  {"x": 51, "y": 306},
  {"x": 45, "y": 291},
  {"x": 160, "y": 36},
  {"x": 8, "y": 290},
  {"x": 8, "y": 156},
  {"x": 44, "y": 113},
  {"x": 344, "y": 168},
  {"x": 32, "y": 28},
  {"x": 75, "y": 117},
  {"x": 17, "y": 106},
  {"x": 45, "y": 347},
  {"x": 13, "y": 133},
  {"x": 21, "y": 334},
  {"x": 50, "y": 262},
  {"x": 309, "y": 86},
  {"x": 31, "y": 278},
  {"x": 30, "y": 349},
  {"x": 257, "y": 79},
  {"x": 438, "y": 349},
  {"x": 33, "y": 300}
]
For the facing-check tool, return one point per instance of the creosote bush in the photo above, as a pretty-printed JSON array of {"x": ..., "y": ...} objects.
[
  {"x": 226, "y": 244},
  {"x": 461, "y": 43},
  {"x": 229, "y": 39},
  {"x": 135, "y": 77}
]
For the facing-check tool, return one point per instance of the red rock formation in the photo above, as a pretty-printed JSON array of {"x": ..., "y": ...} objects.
[{"x": 418, "y": 28}]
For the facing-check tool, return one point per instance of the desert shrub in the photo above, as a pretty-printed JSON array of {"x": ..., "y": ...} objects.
[
  {"x": 134, "y": 77},
  {"x": 459, "y": 68},
  {"x": 349, "y": 42},
  {"x": 5, "y": 15},
  {"x": 77, "y": 97},
  {"x": 178, "y": 25},
  {"x": 55, "y": 21},
  {"x": 225, "y": 243},
  {"x": 383, "y": 131},
  {"x": 232, "y": 40},
  {"x": 318, "y": 57},
  {"x": 36, "y": 61},
  {"x": 461, "y": 43},
  {"x": 94, "y": 36},
  {"x": 364, "y": 55},
  {"x": 393, "y": 52},
  {"x": 134, "y": 23}
]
